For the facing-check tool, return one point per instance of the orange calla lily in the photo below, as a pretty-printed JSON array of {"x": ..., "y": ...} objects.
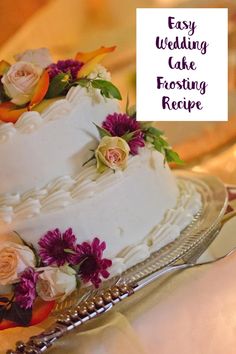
[
  {"x": 4, "y": 67},
  {"x": 40, "y": 90},
  {"x": 90, "y": 59},
  {"x": 85, "y": 57},
  {"x": 9, "y": 112}
]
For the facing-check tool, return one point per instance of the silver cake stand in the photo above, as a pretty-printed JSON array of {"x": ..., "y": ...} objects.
[
  {"x": 194, "y": 239},
  {"x": 191, "y": 243}
]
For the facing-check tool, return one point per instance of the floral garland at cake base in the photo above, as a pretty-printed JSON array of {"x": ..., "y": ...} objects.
[{"x": 56, "y": 270}]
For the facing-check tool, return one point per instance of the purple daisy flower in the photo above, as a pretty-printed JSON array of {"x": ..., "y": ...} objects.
[
  {"x": 57, "y": 248},
  {"x": 65, "y": 66},
  {"x": 25, "y": 290},
  {"x": 92, "y": 265},
  {"x": 118, "y": 124}
]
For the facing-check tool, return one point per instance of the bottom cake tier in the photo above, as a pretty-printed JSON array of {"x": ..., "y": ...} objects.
[{"x": 136, "y": 211}]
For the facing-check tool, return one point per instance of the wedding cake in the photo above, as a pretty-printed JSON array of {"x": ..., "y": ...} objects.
[{"x": 80, "y": 181}]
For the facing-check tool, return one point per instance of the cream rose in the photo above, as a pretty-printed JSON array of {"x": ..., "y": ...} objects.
[
  {"x": 56, "y": 283},
  {"x": 112, "y": 152},
  {"x": 20, "y": 80},
  {"x": 40, "y": 57},
  {"x": 14, "y": 258}
]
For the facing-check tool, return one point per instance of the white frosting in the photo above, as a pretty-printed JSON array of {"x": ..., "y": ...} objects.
[
  {"x": 7, "y": 130},
  {"x": 57, "y": 149},
  {"x": 175, "y": 220}
]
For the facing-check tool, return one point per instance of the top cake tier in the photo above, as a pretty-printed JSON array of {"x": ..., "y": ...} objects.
[
  {"x": 52, "y": 144},
  {"x": 47, "y": 111}
]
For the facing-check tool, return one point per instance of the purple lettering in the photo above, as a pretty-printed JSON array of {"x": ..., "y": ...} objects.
[
  {"x": 188, "y": 105},
  {"x": 181, "y": 64}
]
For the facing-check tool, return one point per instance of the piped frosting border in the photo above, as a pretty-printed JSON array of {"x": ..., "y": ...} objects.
[
  {"x": 31, "y": 121},
  {"x": 175, "y": 220},
  {"x": 60, "y": 193}
]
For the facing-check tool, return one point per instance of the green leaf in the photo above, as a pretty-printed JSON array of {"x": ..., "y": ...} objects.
[
  {"x": 154, "y": 131},
  {"x": 107, "y": 89},
  {"x": 132, "y": 111},
  {"x": 77, "y": 266},
  {"x": 158, "y": 146},
  {"x": 3, "y": 96},
  {"x": 145, "y": 125},
  {"x": 90, "y": 159},
  {"x": 101, "y": 167},
  {"x": 156, "y": 137},
  {"x": 173, "y": 156},
  {"x": 82, "y": 82},
  {"x": 162, "y": 141},
  {"x": 78, "y": 282},
  {"x": 58, "y": 85},
  {"x": 127, "y": 105},
  {"x": 129, "y": 136},
  {"x": 149, "y": 139},
  {"x": 102, "y": 132}
]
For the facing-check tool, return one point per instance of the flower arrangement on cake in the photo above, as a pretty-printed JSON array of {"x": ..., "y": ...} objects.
[
  {"x": 121, "y": 135},
  {"x": 34, "y": 78},
  {"x": 53, "y": 272}
]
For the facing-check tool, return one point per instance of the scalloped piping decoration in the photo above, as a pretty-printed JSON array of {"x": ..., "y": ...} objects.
[
  {"x": 66, "y": 190},
  {"x": 60, "y": 193},
  {"x": 31, "y": 121}
]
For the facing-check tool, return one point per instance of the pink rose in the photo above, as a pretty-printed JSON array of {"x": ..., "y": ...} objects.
[
  {"x": 20, "y": 81},
  {"x": 40, "y": 57},
  {"x": 56, "y": 283},
  {"x": 112, "y": 152},
  {"x": 14, "y": 259}
]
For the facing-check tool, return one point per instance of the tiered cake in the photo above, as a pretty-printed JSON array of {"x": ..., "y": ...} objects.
[{"x": 136, "y": 207}]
